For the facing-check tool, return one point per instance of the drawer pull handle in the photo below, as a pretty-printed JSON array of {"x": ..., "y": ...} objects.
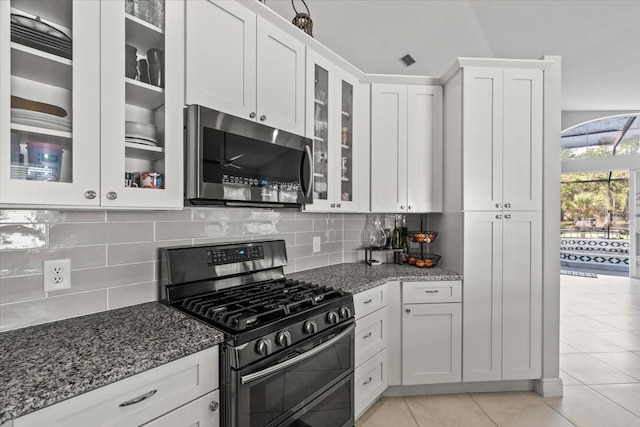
[
  {"x": 369, "y": 301},
  {"x": 138, "y": 399},
  {"x": 364, "y": 337},
  {"x": 433, "y": 292},
  {"x": 367, "y": 381}
]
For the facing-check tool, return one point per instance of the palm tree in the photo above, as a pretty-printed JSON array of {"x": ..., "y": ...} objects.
[{"x": 586, "y": 205}]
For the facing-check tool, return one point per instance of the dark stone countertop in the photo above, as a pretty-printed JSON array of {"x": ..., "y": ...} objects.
[
  {"x": 45, "y": 364},
  {"x": 359, "y": 277}
]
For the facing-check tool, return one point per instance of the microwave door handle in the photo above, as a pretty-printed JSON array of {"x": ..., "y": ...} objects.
[
  {"x": 280, "y": 366},
  {"x": 309, "y": 183}
]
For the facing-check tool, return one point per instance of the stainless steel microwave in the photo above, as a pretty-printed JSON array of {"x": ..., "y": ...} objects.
[{"x": 232, "y": 161}]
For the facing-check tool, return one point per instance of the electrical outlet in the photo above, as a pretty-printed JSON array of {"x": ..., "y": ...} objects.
[
  {"x": 316, "y": 244},
  {"x": 57, "y": 274}
]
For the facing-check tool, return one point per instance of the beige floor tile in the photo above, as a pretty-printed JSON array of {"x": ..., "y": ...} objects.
[
  {"x": 583, "y": 323},
  {"x": 568, "y": 379},
  {"x": 519, "y": 409},
  {"x": 588, "y": 343},
  {"x": 388, "y": 412},
  {"x": 586, "y": 408},
  {"x": 627, "y": 362},
  {"x": 452, "y": 410},
  {"x": 566, "y": 348},
  {"x": 623, "y": 339},
  {"x": 620, "y": 321},
  {"x": 588, "y": 370},
  {"x": 625, "y": 395}
]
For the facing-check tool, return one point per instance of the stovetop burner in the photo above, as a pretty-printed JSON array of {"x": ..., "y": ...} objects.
[{"x": 258, "y": 304}]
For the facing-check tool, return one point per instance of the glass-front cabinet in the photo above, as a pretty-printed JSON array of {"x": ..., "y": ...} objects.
[
  {"x": 84, "y": 103},
  {"x": 331, "y": 95}
]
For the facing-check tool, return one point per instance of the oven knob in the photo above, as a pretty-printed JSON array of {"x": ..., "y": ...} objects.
[
  {"x": 264, "y": 347},
  {"x": 310, "y": 327},
  {"x": 283, "y": 338},
  {"x": 333, "y": 318},
  {"x": 345, "y": 312}
]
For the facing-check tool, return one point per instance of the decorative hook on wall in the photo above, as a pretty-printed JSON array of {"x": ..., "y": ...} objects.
[{"x": 303, "y": 20}]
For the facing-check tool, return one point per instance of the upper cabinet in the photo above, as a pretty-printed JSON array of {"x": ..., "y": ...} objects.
[
  {"x": 502, "y": 130},
  {"x": 241, "y": 64},
  {"x": 70, "y": 91},
  {"x": 340, "y": 155},
  {"x": 406, "y": 148}
]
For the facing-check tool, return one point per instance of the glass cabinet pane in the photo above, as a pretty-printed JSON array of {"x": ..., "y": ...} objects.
[
  {"x": 321, "y": 135},
  {"x": 144, "y": 94},
  {"x": 346, "y": 143},
  {"x": 41, "y": 91}
]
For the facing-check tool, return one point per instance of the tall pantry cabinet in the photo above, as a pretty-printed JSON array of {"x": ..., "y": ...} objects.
[{"x": 493, "y": 189}]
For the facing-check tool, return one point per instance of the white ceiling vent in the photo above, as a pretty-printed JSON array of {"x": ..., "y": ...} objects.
[{"x": 407, "y": 60}]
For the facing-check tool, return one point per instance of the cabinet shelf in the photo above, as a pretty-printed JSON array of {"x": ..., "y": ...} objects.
[
  {"x": 142, "y": 34},
  {"x": 44, "y": 134},
  {"x": 34, "y": 64},
  {"x": 318, "y": 102},
  {"x": 318, "y": 175},
  {"x": 345, "y": 147},
  {"x": 143, "y": 94},
  {"x": 344, "y": 113},
  {"x": 344, "y": 179},
  {"x": 317, "y": 138},
  {"x": 144, "y": 152}
]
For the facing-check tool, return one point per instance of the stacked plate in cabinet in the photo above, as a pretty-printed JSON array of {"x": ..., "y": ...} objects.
[
  {"x": 39, "y": 119},
  {"x": 36, "y": 34},
  {"x": 140, "y": 133}
]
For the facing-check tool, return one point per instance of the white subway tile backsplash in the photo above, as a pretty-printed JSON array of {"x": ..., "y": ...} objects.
[
  {"x": 114, "y": 255},
  {"x": 19, "y": 315}
]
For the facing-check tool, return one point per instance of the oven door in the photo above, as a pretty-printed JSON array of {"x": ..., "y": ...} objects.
[{"x": 282, "y": 386}]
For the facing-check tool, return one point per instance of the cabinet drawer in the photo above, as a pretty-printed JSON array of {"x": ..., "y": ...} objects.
[
  {"x": 167, "y": 387},
  {"x": 369, "y": 301},
  {"x": 371, "y": 335},
  {"x": 431, "y": 292},
  {"x": 371, "y": 381},
  {"x": 203, "y": 412}
]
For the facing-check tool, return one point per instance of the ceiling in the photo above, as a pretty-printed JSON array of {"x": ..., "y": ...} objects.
[{"x": 599, "y": 41}]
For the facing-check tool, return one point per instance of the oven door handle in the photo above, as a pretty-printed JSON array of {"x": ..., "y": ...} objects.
[{"x": 280, "y": 366}]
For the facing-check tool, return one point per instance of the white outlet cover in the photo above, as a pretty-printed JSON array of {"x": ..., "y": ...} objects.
[
  {"x": 57, "y": 274},
  {"x": 316, "y": 244}
]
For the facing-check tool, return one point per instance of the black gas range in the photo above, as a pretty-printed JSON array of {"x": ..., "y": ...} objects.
[{"x": 288, "y": 355}]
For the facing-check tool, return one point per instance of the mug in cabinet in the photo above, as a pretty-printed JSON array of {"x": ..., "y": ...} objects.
[{"x": 151, "y": 180}]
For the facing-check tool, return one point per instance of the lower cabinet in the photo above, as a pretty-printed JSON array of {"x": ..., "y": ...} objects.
[
  {"x": 431, "y": 332},
  {"x": 162, "y": 396},
  {"x": 370, "y": 347}
]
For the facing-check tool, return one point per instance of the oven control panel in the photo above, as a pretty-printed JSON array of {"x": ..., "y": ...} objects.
[{"x": 230, "y": 255}]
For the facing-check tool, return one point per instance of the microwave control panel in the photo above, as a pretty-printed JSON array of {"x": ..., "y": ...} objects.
[
  {"x": 264, "y": 183},
  {"x": 231, "y": 255}
]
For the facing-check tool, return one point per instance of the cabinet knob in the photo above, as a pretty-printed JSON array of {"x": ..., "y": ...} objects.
[
  {"x": 507, "y": 205},
  {"x": 401, "y": 206},
  {"x": 410, "y": 207},
  {"x": 407, "y": 310},
  {"x": 333, "y": 205},
  {"x": 252, "y": 115},
  {"x": 498, "y": 216},
  {"x": 338, "y": 205},
  {"x": 90, "y": 194},
  {"x": 498, "y": 205},
  {"x": 508, "y": 216},
  {"x": 263, "y": 118},
  {"x": 112, "y": 195},
  {"x": 213, "y": 406}
]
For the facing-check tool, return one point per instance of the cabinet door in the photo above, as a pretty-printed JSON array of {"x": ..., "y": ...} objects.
[
  {"x": 202, "y": 412},
  {"x": 351, "y": 159},
  {"x": 482, "y": 297},
  {"x": 51, "y": 159},
  {"x": 431, "y": 343},
  {"x": 321, "y": 126},
  {"x": 280, "y": 79},
  {"x": 221, "y": 56},
  {"x": 388, "y": 148},
  {"x": 141, "y": 135},
  {"x": 482, "y": 145},
  {"x": 522, "y": 140},
  {"x": 634, "y": 224},
  {"x": 424, "y": 158},
  {"x": 521, "y": 295}
]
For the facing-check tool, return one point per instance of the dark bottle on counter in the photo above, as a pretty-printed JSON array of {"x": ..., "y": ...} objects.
[{"x": 396, "y": 241}]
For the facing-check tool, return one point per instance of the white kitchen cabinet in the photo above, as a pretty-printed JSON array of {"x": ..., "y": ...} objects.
[
  {"x": 502, "y": 313},
  {"x": 502, "y": 128},
  {"x": 406, "y": 148},
  {"x": 431, "y": 332},
  {"x": 340, "y": 172},
  {"x": 241, "y": 64},
  {"x": 85, "y": 156},
  {"x": 202, "y": 412},
  {"x": 370, "y": 347},
  {"x": 141, "y": 398}
]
